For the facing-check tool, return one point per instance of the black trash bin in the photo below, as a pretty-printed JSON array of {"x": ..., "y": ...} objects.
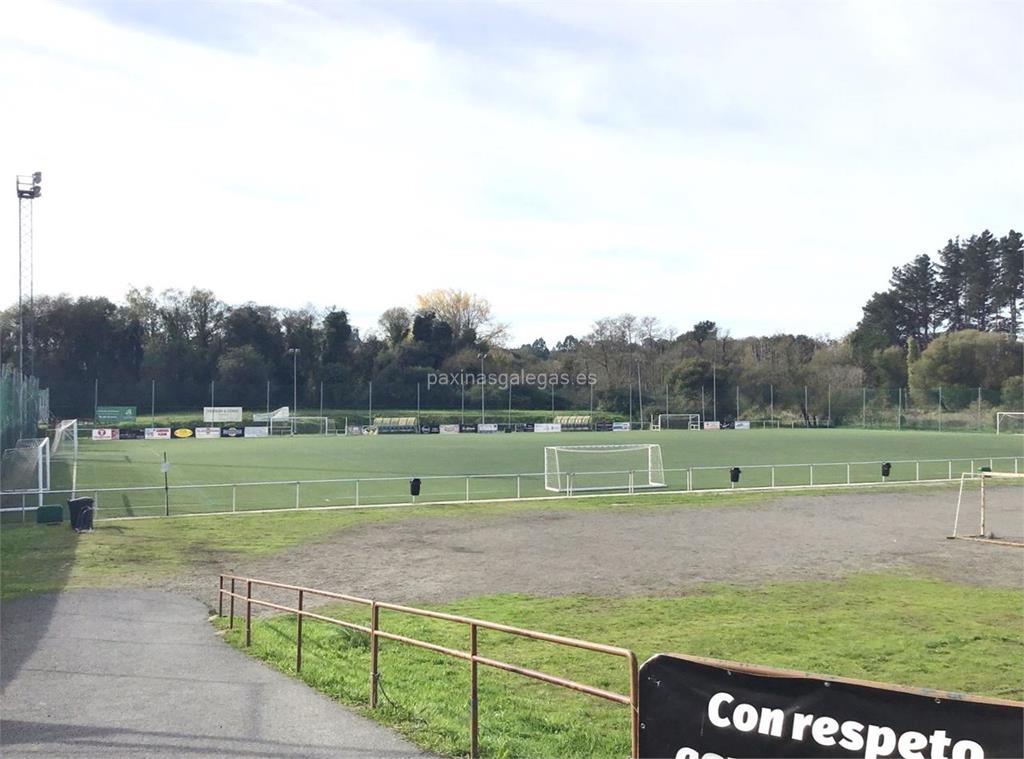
[{"x": 80, "y": 511}]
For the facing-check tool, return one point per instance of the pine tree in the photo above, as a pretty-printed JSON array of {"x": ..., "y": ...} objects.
[
  {"x": 950, "y": 286},
  {"x": 1009, "y": 289},
  {"x": 980, "y": 267},
  {"x": 914, "y": 287}
]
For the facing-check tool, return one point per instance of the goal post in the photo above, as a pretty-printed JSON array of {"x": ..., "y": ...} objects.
[
  {"x": 1003, "y": 525},
  {"x": 574, "y": 468},
  {"x": 1010, "y": 422},
  {"x": 676, "y": 422},
  {"x": 65, "y": 439},
  {"x": 25, "y": 469},
  {"x": 303, "y": 425}
]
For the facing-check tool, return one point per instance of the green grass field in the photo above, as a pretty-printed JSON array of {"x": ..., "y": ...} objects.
[
  {"x": 449, "y": 458},
  {"x": 924, "y": 633}
]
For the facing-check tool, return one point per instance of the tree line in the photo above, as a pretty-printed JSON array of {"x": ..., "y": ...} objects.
[{"x": 953, "y": 322}]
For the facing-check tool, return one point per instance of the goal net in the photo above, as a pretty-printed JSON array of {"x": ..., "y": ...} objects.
[
  {"x": 994, "y": 503},
  {"x": 303, "y": 425},
  {"x": 677, "y": 422},
  {"x": 65, "y": 440},
  {"x": 573, "y": 468},
  {"x": 25, "y": 469},
  {"x": 1010, "y": 422}
]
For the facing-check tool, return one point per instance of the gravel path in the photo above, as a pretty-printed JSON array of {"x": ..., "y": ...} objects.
[{"x": 651, "y": 550}]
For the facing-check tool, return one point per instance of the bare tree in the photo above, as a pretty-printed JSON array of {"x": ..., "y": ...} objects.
[{"x": 467, "y": 314}]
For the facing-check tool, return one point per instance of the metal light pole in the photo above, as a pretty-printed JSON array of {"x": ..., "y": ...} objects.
[
  {"x": 483, "y": 388},
  {"x": 714, "y": 391},
  {"x": 295, "y": 383},
  {"x": 640, "y": 394}
]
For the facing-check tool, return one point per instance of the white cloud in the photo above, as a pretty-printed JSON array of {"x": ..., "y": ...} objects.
[{"x": 761, "y": 165}]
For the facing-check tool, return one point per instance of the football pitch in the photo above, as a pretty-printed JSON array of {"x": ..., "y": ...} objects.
[{"x": 222, "y": 475}]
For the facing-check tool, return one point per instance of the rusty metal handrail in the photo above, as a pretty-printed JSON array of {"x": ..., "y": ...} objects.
[{"x": 471, "y": 656}]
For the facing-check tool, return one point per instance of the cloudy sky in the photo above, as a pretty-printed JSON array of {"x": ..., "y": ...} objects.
[{"x": 760, "y": 164}]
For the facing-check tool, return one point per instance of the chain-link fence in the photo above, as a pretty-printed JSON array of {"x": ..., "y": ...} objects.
[
  {"x": 945, "y": 408},
  {"x": 22, "y": 406}
]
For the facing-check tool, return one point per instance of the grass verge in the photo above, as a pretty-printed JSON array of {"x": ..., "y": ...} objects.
[{"x": 885, "y": 627}]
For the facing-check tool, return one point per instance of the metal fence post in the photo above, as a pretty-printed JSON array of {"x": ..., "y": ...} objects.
[
  {"x": 374, "y": 620},
  {"x": 220, "y": 596},
  {"x": 634, "y": 708},
  {"x": 248, "y": 613},
  {"x": 234, "y": 498},
  {"x": 950, "y": 470},
  {"x": 298, "y": 635},
  {"x": 847, "y": 474},
  {"x": 773, "y": 476},
  {"x": 357, "y": 492},
  {"x": 812, "y": 475},
  {"x": 231, "y": 606},
  {"x": 296, "y": 494},
  {"x": 467, "y": 488},
  {"x": 474, "y": 748},
  {"x": 917, "y": 471},
  {"x": 519, "y": 488}
]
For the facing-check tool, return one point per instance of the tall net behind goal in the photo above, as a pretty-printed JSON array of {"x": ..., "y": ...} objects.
[
  {"x": 992, "y": 502},
  {"x": 574, "y": 468}
]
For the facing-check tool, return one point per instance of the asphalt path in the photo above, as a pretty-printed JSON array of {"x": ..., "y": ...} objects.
[{"x": 143, "y": 674}]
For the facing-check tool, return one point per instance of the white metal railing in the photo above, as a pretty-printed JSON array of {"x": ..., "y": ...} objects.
[{"x": 272, "y": 495}]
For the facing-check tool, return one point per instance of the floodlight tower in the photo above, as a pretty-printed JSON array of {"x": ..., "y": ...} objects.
[{"x": 29, "y": 188}]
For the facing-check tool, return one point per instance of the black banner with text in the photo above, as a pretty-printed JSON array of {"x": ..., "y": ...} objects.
[{"x": 693, "y": 708}]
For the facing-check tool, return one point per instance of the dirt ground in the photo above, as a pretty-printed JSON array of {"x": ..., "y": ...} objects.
[{"x": 661, "y": 550}]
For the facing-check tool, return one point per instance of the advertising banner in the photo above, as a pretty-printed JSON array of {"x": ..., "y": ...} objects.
[
  {"x": 449, "y": 429},
  {"x": 741, "y": 425},
  {"x": 105, "y": 434},
  {"x": 692, "y": 707},
  {"x": 547, "y": 427},
  {"x": 115, "y": 414},
  {"x": 158, "y": 433},
  {"x": 487, "y": 427},
  {"x": 712, "y": 425},
  {"x": 467, "y": 428},
  {"x": 182, "y": 432},
  {"x": 207, "y": 433},
  {"x": 257, "y": 432},
  {"x": 130, "y": 434},
  {"x": 621, "y": 426},
  {"x": 232, "y": 432},
  {"x": 222, "y": 413},
  {"x": 603, "y": 426}
]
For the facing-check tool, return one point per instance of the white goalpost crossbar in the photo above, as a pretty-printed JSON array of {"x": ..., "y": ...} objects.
[
  {"x": 983, "y": 534},
  {"x": 675, "y": 422},
  {"x": 1002, "y": 416},
  {"x": 298, "y": 425},
  {"x": 575, "y": 468}
]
